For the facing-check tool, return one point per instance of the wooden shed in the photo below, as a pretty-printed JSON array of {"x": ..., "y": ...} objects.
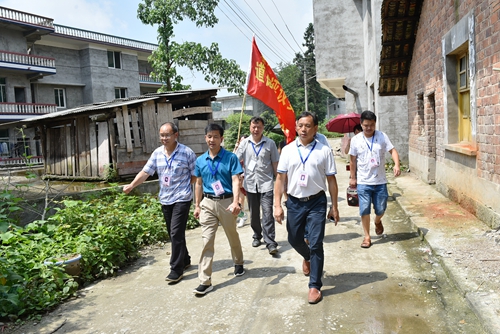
[{"x": 92, "y": 141}]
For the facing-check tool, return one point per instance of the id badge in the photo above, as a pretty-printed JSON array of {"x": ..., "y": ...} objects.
[
  {"x": 374, "y": 161},
  {"x": 166, "y": 180},
  {"x": 251, "y": 165},
  {"x": 303, "y": 179},
  {"x": 218, "y": 188}
]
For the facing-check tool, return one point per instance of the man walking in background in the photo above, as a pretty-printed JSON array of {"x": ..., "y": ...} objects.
[
  {"x": 367, "y": 155},
  {"x": 259, "y": 156},
  {"x": 174, "y": 163}
]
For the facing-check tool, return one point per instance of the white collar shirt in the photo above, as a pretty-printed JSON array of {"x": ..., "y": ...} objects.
[{"x": 318, "y": 164}]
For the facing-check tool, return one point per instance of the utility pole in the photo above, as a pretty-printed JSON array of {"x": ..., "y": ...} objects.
[
  {"x": 327, "y": 107},
  {"x": 305, "y": 85}
]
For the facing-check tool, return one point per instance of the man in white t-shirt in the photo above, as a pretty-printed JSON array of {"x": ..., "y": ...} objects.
[
  {"x": 367, "y": 173},
  {"x": 307, "y": 165}
]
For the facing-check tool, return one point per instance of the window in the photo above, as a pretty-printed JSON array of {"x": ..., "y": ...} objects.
[
  {"x": 114, "y": 59},
  {"x": 120, "y": 93},
  {"x": 3, "y": 95},
  {"x": 464, "y": 125},
  {"x": 460, "y": 104},
  {"x": 60, "y": 97}
]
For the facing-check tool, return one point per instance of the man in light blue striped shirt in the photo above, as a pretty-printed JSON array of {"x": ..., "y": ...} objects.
[{"x": 174, "y": 163}]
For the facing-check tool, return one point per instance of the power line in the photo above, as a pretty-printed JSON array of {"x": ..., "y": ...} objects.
[
  {"x": 275, "y": 26},
  {"x": 255, "y": 26},
  {"x": 265, "y": 25},
  {"x": 270, "y": 49},
  {"x": 286, "y": 25}
]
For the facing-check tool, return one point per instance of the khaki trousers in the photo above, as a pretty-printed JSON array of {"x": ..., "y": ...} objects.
[{"x": 212, "y": 213}]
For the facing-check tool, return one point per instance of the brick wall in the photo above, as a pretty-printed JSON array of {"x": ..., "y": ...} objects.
[{"x": 426, "y": 77}]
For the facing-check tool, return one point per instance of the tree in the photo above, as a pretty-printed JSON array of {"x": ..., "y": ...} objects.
[
  {"x": 170, "y": 54},
  {"x": 291, "y": 77}
]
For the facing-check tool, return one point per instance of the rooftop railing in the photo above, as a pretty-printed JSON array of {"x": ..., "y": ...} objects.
[
  {"x": 27, "y": 108},
  {"x": 26, "y": 59},
  {"x": 15, "y": 15},
  {"x": 103, "y": 38}
]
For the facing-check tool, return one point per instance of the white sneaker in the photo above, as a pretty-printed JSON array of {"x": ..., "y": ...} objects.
[{"x": 241, "y": 222}]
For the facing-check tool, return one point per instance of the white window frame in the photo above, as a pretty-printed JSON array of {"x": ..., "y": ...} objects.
[
  {"x": 116, "y": 55},
  {"x": 57, "y": 97},
  {"x": 121, "y": 92}
]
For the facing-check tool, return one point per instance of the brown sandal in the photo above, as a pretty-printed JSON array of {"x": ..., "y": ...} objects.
[
  {"x": 366, "y": 243},
  {"x": 379, "y": 228}
]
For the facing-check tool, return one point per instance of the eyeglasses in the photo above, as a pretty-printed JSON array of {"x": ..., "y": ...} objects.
[{"x": 167, "y": 135}]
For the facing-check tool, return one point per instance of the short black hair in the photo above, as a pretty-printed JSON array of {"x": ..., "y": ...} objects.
[
  {"x": 307, "y": 114},
  {"x": 174, "y": 127},
  {"x": 368, "y": 115},
  {"x": 357, "y": 127},
  {"x": 256, "y": 119},
  {"x": 214, "y": 127}
]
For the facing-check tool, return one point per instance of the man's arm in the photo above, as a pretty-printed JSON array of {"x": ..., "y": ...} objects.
[
  {"x": 275, "y": 168},
  {"x": 236, "y": 195},
  {"x": 198, "y": 194},
  {"x": 352, "y": 171},
  {"x": 333, "y": 189},
  {"x": 279, "y": 187},
  {"x": 139, "y": 178},
  {"x": 395, "y": 157}
]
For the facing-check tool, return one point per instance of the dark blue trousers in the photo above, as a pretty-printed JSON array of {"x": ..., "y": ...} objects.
[
  {"x": 176, "y": 216},
  {"x": 312, "y": 214}
]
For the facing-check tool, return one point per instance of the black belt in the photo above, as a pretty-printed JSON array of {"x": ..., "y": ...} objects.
[
  {"x": 217, "y": 198},
  {"x": 305, "y": 199}
]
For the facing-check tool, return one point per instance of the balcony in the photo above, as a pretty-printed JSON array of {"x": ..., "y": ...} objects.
[
  {"x": 146, "y": 80},
  {"x": 26, "y": 109},
  {"x": 26, "y": 19},
  {"x": 92, "y": 36},
  {"x": 26, "y": 62}
]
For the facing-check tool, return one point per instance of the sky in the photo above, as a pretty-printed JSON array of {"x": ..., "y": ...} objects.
[{"x": 278, "y": 25}]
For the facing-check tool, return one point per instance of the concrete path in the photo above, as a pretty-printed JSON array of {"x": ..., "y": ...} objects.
[{"x": 393, "y": 287}]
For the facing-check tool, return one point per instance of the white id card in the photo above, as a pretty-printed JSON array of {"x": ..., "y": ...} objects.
[
  {"x": 218, "y": 188},
  {"x": 374, "y": 160},
  {"x": 303, "y": 179},
  {"x": 251, "y": 165}
]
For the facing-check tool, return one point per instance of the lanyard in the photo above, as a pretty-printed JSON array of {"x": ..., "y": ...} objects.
[
  {"x": 300, "y": 154},
  {"x": 218, "y": 163},
  {"x": 370, "y": 147},
  {"x": 169, "y": 165},
  {"x": 260, "y": 148}
]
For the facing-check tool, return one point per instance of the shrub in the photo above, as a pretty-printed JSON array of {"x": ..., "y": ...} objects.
[{"x": 108, "y": 232}]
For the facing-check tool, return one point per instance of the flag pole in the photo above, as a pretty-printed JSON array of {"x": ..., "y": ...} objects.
[
  {"x": 241, "y": 115},
  {"x": 245, "y": 92}
]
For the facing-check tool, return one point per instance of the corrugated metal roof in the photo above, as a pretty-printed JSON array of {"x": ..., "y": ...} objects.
[{"x": 97, "y": 108}]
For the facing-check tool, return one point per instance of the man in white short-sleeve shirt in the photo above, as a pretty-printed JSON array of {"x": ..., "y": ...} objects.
[
  {"x": 367, "y": 155},
  {"x": 308, "y": 165}
]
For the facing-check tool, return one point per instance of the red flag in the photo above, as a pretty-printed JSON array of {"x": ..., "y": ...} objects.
[{"x": 264, "y": 86}]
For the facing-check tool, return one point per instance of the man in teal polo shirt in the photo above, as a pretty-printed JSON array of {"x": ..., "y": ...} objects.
[{"x": 216, "y": 201}]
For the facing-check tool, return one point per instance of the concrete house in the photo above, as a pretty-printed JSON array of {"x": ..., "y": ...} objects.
[
  {"x": 453, "y": 103},
  {"x": 348, "y": 53},
  {"x": 45, "y": 67}
]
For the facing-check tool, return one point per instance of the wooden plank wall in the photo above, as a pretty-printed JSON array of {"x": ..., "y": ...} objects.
[
  {"x": 192, "y": 134},
  {"x": 77, "y": 149}
]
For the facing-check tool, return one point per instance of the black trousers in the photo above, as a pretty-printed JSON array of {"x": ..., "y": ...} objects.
[{"x": 176, "y": 216}]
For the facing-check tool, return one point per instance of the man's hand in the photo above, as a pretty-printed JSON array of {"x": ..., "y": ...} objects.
[
  {"x": 279, "y": 214},
  {"x": 397, "y": 171},
  {"x": 353, "y": 183},
  {"x": 128, "y": 188},
  {"x": 334, "y": 214},
  {"x": 234, "y": 208},
  {"x": 196, "y": 212}
]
